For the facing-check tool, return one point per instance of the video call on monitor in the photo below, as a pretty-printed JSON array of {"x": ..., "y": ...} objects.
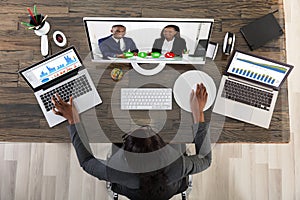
[{"x": 144, "y": 31}]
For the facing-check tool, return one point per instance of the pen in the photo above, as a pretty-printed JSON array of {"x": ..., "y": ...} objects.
[
  {"x": 44, "y": 18},
  {"x": 35, "y": 13},
  {"x": 34, "y": 10},
  {"x": 32, "y": 16},
  {"x": 27, "y": 24}
]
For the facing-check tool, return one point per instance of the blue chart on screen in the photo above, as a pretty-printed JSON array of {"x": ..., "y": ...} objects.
[
  {"x": 258, "y": 69},
  {"x": 53, "y": 70}
]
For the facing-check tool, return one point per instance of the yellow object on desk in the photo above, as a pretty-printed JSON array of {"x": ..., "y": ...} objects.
[{"x": 116, "y": 74}]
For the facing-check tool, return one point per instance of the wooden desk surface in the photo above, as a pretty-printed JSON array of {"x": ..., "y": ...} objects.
[{"x": 20, "y": 117}]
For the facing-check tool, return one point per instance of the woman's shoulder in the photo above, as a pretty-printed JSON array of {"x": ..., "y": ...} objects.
[{"x": 180, "y": 39}]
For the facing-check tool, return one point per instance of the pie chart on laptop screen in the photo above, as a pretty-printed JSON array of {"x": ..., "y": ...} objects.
[{"x": 186, "y": 82}]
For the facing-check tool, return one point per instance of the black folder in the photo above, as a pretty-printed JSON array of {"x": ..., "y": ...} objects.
[{"x": 261, "y": 31}]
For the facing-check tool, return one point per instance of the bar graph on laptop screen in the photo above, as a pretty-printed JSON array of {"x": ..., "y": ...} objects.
[
  {"x": 52, "y": 69},
  {"x": 257, "y": 69}
]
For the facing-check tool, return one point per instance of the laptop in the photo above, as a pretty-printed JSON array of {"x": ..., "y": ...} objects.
[
  {"x": 62, "y": 73},
  {"x": 249, "y": 88}
]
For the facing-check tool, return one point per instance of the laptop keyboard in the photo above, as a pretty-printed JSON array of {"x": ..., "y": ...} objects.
[
  {"x": 75, "y": 88},
  {"x": 146, "y": 99},
  {"x": 247, "y": 94}
]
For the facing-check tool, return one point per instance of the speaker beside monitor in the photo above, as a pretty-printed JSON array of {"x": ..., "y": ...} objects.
[{"x": 228, "y": 44}]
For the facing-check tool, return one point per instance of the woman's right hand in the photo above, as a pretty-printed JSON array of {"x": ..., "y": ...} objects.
[
  {"x": 65, "y": 109},
  {"x": 198, "y": 100}
]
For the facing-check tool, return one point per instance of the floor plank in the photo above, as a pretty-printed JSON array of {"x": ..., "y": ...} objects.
[
  {"x": 36, "y": 171},
  {"x": 7, "y": 190},
  {"x": 48, "y": 188},
  {"x": 23, "y": 170}
]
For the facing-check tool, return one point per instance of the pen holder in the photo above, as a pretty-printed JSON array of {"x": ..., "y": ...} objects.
[{"x": 42, "y": 29}]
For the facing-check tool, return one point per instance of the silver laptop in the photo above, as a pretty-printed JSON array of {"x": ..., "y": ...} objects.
[
  {"x": 62, "y": 73},
  {"x": 249, "y": 88}
]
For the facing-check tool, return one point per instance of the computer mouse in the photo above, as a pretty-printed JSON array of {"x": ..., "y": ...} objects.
[{"x": 228, "y": 43}]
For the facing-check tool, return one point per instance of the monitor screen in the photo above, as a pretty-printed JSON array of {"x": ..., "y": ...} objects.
[{"x": 148, "y": 40}]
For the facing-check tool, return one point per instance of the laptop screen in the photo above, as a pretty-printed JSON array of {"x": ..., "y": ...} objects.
[
  {"x": 52, "y": 68},
  {"x": 258, "y": 69}
]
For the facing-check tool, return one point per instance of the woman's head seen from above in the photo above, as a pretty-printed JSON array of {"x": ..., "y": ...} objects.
[{"x": 143, "y": 140}]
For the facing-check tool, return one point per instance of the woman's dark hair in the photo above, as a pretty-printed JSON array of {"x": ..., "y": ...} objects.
[
  {"x": 176, "y": 28},
  {"x": 143, "y": 140}
]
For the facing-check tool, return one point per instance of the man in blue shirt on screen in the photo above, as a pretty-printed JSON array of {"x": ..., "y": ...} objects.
[{"x": 115, "y": 45}]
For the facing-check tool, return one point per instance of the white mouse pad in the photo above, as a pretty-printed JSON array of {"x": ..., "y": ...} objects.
[{"x": 186, "y": 82}]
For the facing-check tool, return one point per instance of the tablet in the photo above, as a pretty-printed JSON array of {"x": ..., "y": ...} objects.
[{"x": 261, "y": 31}]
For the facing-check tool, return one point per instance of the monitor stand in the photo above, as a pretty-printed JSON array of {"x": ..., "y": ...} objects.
[{"x": 148, "y": 72}]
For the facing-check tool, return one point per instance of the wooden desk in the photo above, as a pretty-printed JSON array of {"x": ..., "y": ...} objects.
[{"x": 20, "y": 117}]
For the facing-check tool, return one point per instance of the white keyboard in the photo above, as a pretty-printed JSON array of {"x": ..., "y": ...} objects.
[{"x": 146, "y": 99}]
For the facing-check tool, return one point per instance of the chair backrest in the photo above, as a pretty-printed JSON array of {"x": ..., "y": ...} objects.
[
  {"x": 102, "y": 39},
  {"x": 184, "y": 185},
  {"x": 186, "y": 182},
  {"x": 97, "y": 51},
  {"x": 184, "y": 190}
]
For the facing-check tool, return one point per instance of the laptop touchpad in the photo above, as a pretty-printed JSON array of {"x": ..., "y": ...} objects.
[{"x": 242, "y": 112}]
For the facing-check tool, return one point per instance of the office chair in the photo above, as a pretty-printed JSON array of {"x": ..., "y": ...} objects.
[
  {"x": 184, "y": 191},
  {"x": 96, "y": 46},
  {"x": 186, "y": 182}
]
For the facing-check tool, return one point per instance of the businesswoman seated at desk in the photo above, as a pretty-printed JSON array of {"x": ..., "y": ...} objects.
[
  {"x": 170, "y": 41},
  {"x": 130, "y": 168}
]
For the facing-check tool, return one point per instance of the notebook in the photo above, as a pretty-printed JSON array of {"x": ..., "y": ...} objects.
[
  {"x": 261, "y": 31},
  {"x": 62, "y": 73},
  {"x": 249, "y": 88}
]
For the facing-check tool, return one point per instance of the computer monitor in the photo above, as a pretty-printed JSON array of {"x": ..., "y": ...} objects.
[{"x": 188, "y": 47}]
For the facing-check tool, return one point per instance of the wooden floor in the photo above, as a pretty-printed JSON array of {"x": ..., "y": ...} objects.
[{"x": 40, "y": 171}]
